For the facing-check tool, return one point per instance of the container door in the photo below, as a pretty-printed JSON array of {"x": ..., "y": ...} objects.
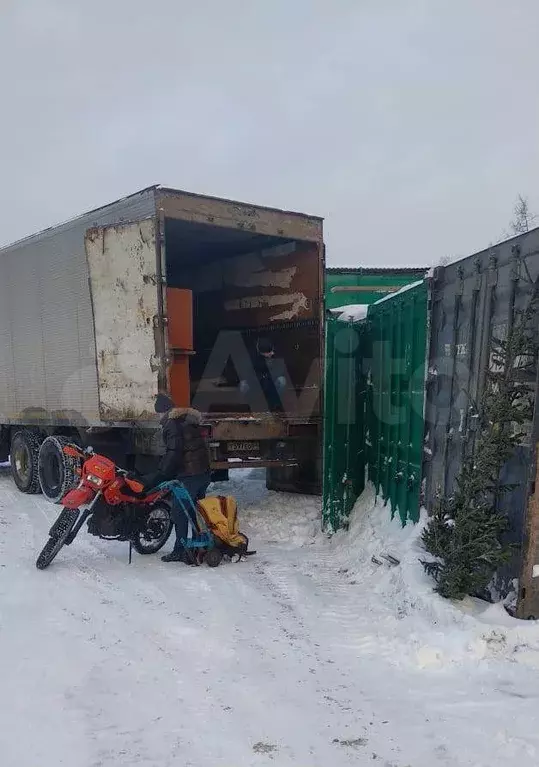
[
  {"x": 344, "y": 423},
  {"x": 395, "y": 413},
  {"x": 126, "y": 289}
]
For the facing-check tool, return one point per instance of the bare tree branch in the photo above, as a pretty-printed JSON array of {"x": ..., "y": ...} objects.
[{"x": 524, "y": 219}]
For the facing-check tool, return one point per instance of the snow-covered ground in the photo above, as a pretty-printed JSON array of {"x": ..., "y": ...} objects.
[{"x": 307, "y": 654}]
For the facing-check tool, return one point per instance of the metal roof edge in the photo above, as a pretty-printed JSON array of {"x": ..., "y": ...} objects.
[
  {"x": 73, "y": 219},
  {"x": 376, "y": 269},
  {"x": 171, "y": 190}
]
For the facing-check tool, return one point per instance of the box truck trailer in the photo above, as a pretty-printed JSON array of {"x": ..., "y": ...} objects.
[{"x": 162, "y": 291}]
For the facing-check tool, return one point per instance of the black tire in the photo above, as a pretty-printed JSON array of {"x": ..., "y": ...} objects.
[
  {"x": 55, "y": 542},
  {"x": 24, "y": 454},
  {"x": 157, "y": 531},
  {"x": 213, "y": 557},
  {"x": 57, "y": 471},
  {"x": 63, "y": 519},
  {"x": 4, "y": 443}
]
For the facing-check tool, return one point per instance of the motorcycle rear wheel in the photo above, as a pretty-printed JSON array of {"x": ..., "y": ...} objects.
[
  {"x": 156, "y": 532},
  {"x": 61, "y": 530}
]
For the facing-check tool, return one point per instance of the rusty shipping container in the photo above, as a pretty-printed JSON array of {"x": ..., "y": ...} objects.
[{"x": 164, "y": 290}]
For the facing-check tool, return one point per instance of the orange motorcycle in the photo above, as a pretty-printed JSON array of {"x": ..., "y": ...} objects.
[{"x": 116, "y": 506}]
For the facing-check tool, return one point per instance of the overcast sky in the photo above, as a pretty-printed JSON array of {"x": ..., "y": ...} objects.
[{"x": 410, "y": 125}]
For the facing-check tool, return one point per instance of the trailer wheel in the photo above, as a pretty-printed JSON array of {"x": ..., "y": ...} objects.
[
  {"x": 24, "y": 454},
  {"x": 4, "y": 443},
  {"x": 58, "y": 472}
]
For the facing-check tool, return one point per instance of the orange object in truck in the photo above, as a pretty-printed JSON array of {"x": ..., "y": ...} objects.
[
  {"x": 178, "y": 377},
  {"x": 180, "y": 339},
  {"x": 180, "y": 318}
]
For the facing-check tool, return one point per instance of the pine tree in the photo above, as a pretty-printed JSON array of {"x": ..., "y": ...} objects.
[{"x": 465, "y": 532}]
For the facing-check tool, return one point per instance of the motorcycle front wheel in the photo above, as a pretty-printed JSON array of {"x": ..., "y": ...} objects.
[
  {"x": 155, "y": 531},
  {"x": 58, "y": 535}
]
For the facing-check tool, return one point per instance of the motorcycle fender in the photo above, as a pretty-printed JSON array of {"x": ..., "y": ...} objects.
[{"x": 80, "y": 496}]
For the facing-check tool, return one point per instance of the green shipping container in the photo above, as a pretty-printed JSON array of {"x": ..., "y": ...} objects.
[
  {"x": 344, "y": 450},
  {"x": 345, "y": 286},
  {"x": 396, "y": 398},
  {"x": 374, "y": 406}
]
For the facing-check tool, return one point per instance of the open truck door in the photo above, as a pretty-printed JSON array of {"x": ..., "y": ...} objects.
[{"x": 126, "y": 288}]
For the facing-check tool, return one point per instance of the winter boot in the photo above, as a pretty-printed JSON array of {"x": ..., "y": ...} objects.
[{"x": 174, "y": 556}]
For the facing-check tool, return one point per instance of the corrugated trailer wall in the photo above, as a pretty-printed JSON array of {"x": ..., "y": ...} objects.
[
  {"x": 47, "y": 340},
  {"x": 397, "y": 332},
  {"x": 473, "y": 301}
]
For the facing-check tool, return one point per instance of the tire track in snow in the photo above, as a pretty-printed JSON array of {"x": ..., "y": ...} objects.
[{"x": 343, "y": 621}]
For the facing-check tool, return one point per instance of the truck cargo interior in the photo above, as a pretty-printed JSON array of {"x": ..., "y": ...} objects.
[{"x": 221, "y": 279}]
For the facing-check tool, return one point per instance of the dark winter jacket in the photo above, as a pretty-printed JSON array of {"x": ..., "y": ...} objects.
[{"x": 186, "y": 450}]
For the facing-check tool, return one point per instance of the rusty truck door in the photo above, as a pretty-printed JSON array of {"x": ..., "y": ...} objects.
[{"x": 126, "y": 288}]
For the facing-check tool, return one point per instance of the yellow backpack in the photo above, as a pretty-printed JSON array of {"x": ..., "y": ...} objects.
[{"x": 220, "y": 513}]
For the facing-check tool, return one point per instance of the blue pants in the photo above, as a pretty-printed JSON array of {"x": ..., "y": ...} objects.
[{"x": 196, "y": 486}]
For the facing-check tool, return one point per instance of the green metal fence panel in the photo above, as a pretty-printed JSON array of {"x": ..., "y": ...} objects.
[
  {"x": 345, "y": 286},
  {"x": 397, "y": 336},
  {"x": 344, "y": 422}
]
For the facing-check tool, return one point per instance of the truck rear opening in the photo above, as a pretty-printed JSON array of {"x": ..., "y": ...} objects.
[{"x": 239, "y": 286}]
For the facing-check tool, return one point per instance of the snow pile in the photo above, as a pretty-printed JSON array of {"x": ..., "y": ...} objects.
[
  {"x": 352, "y": 312},
  {"x": 402, "y": 603},
  {"x": 404, "y": 289},
  {"x": 268, "y": 517},
  {"x": 395, "y": 611}
]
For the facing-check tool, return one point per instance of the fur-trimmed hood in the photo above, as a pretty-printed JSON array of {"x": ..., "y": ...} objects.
[{"x": 188, "y": 413}]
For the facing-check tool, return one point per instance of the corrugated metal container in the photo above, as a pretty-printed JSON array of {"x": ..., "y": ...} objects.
[
  {"x": 473, "y": 301},
  {"x": 396, "y": 395},
  {"x": 374, "y": 406},
  {"x": 344, "y": 423},
  {"x": 346, "y": 285},
  {"x": 420, "y": 413}
]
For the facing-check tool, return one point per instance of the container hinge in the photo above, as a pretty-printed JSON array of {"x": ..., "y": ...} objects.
[
  {"x": 493, "y": 270},
  {"x": 459, "y": 290}
]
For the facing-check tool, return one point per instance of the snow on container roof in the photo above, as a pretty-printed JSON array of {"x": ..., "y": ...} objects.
[
  {"x": 368, "y": 270},
  {"x": 398, "y": 292},
  {"x": 351, "y": 313}
]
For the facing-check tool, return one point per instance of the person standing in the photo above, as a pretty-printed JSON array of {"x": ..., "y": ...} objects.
[{"x": 186, "y": 458}]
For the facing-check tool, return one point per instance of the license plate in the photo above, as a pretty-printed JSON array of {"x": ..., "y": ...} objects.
[{"x": 243, "y": 447}]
